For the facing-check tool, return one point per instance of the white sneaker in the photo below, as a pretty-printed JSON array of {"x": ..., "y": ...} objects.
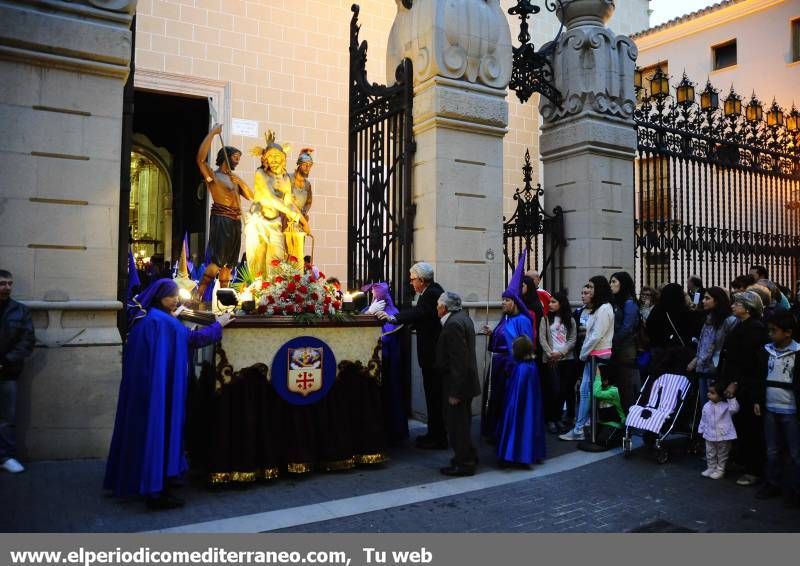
[
  {"x": 572, "y": 435},
  {"x": 707, "y": 472},
  {"x": 12, "y": 466},
  {"x": 716, "y": 474}
]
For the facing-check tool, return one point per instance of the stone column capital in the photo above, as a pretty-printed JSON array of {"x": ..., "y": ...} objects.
[
  {"x": 592, "y": 66},
  {"x": 466, "y": 40}
]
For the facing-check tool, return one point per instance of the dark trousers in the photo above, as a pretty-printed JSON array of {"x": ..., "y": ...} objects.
[
  {"x": 568, "y": 372},
  {"x": 550, "y": 385},
  {"x": 782, "y": 431},
  {"x": 434, "y": 401},
  {"x": 750, "y": 448},
  {"x": 459, "y": 421}
]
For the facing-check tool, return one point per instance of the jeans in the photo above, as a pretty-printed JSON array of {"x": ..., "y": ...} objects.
[
  {"x": 585, "y": 400},
  {"x": 8, "y": 409},
  {"x": 782, "y": 431}
]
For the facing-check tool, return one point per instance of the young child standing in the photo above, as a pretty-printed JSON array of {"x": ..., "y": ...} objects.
[
  {"x": 778, "y": 404},
  {"x": 716, "y": 426}
]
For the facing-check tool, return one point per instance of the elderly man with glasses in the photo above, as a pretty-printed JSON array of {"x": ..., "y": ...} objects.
[{"x": 425, "y": 321}]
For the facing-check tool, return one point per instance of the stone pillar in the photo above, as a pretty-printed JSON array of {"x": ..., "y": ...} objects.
[
  {"x": 63, "y": 65},
  {"x": 461, "y": 52},
  {"x": 588, "y": 143}
]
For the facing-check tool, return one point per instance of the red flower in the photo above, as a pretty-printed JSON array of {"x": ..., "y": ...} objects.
[
  {"x": 284, "y": 295},
  {"x": 310, "y": 308},
  {"x": 321, "y": 275},
  {"x": 327, "y": 300},
  {"x": 278, "y": 310},
  {"x": 299, "y": 299},
  {"x": 292, "y": 259},
  {"x": 303, "y": 289},
  {"x": 279, "y": 279},
  {"x": 264, "y": 284},
  {"x": 298, "y": 277},
  {"x": 325, "y": 309},
  {"x": 312, "y": 279},
  {"x": 261, "y": 309},
  {"x": 337, "y": 304},
  {"x": 289, "y": 309},
  {"x": 271, "y": 299},
  {"x": 314, "y": 297},
  {"x": 291, "y": 287},
  {"x": 275, "y": 262}
]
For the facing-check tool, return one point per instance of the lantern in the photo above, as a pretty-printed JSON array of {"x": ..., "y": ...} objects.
[
  {"x": 733, "y": 104},
  {"x": 709, "y": 98},
  {"x": 685, "y": 91},
  {"x": 774, "y": 115},
  {"x": 754, "y": 111},
  {"x": 659, "y": 84}
]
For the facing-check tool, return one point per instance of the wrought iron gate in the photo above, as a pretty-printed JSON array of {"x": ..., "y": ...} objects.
[
  {"x": 531, "y": 228},
  {"x": 380, "y": 152},
  {"x": 714, "y": 187}
]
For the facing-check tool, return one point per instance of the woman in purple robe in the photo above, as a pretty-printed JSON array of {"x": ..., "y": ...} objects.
[{"x": 147, "y": 445}]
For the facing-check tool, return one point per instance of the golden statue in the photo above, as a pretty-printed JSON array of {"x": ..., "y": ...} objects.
[{"x": 273, "y": 206}]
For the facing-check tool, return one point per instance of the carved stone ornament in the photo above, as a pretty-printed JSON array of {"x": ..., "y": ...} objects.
[
  {"x": 126, "y": 6},
  {"x": 592, "y": 67},
  {"x": 458, "y": 39}
]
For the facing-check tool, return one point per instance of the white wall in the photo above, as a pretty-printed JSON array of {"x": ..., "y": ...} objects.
[{"x": 763, "y": 41}]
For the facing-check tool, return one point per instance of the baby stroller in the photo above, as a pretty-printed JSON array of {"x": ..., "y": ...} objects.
[{"x": 661, "y": 410}]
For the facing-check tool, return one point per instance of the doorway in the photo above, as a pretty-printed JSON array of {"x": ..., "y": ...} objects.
[{"x": 168, "y": 199}]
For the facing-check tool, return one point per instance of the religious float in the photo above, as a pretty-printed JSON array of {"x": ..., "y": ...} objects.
[{"x": 295, "y": 384}]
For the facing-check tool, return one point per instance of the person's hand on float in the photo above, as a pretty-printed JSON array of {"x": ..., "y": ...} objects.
[
  {"x": 376, "y": 307},
  {"x": 177, "y": 312},
  {"x": 381, "y": 315},
  {"x": 485, "y": 329},
  {"x": 224, "y": 318}
]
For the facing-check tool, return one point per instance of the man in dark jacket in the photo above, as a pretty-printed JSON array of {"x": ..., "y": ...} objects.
[
  {"x": 426, "y": 322},
  {"x": 16, "y": 344},
  {"x": 458, "y": 369}
]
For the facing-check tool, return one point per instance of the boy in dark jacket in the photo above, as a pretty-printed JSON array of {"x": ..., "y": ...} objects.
[{"x": 778, "y": 403}]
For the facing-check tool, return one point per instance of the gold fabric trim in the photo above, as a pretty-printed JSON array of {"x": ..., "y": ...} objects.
[
  {"x": 337, "y": 465},
  {"x": 218, "y": 478},
  {"x": 299, "y": 468},
  {"x": 243, "y": 477},
  {"x": 378, "y": 458}
]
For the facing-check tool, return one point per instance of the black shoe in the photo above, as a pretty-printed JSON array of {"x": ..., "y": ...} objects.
[
  {"x": 431, "y": 444},
  {"x": 458, "y": 471},
  {"x": 768, "y": 491},
  {"x": 163, "y": 502}
]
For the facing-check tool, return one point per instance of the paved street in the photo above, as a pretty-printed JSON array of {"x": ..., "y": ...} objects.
[{"x": 571, "y": 492}]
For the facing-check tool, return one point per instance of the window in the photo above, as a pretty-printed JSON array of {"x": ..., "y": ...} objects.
[
  {"x": 796, "y": 39},
  {"x": 724, "y": 55}
]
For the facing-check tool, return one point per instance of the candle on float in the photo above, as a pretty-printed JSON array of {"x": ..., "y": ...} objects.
[{"x": 347, "y": 301}]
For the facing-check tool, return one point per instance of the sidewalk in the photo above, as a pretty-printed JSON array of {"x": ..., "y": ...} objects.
[{"x": 571, "y": 491}]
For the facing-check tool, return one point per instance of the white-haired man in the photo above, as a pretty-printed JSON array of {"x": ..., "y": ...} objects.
[
  {"x": 426, "y": 322},
  {"x": 458, "y": 369}
]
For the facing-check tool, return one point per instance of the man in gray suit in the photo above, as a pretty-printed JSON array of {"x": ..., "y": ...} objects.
[{"x": 458, "y": 368}]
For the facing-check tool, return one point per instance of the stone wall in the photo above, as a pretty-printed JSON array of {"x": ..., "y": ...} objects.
[{"x": 63, "y": 66}]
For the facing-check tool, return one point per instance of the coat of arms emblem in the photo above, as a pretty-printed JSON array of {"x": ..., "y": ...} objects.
[{"x": 305, "y": 370}]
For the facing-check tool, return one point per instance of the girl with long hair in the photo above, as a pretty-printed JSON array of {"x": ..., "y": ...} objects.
[
  {"x": 597, "y": 296},
  {"x": 558, "y": 333}
]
